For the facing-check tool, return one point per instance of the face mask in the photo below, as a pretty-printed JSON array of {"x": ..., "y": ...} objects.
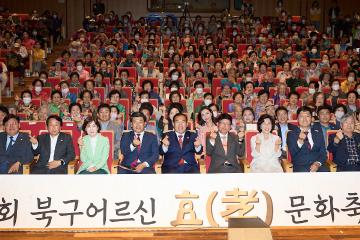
[
  {"x": 38, "y": 89},
  {"x": 27, "y": 100},
  {"x": 313, "y": 51},
  {"x": 293, "y": 27},
  {"x": 339, "y": 114},
  {"x": 173, "y": 89},
  {"x": 111, "y": 50},
  {"x": 207, "y": 102},
  {"x": 248, "y": 79},
  {"x": 218, "y": 25},
  {"x": 79, "y": 68},
  {"x": 288, "y": 52},
  {"x": 168, "y": 32},
  {"x": 358, "y": 91},
  {"x": 171, "y": 51},
  {"x": 335, "y": 87},
  {"x": 313, "y": 38},
  {"x": 325, "y": 61},
  {"x": 285, "y": 34},
  {"x": 65, "y": 91},
  {"x": 215, "y": 114},
  {"x": 268, "y": 54},
  {"x": 113, "y": 116},
  {"x": 187, "y": 31},
  {"x": 200, "y": 29},
  {"x": 199, "y": 90},
  {"x": 82, "y": 39},
  {"x": 350, "y": 79},
  {"x": 311, "y": 90},
  {"x": 234, "y": 33},
  {"x": 137, "y": 37},
  {"x": 144, "y": 100},
  {"x": 174, "y": 77},
  {"x": 34, "y": 33}
]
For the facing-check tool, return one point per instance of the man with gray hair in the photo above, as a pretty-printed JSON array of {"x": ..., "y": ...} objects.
[{"x": 345, "y": 145}]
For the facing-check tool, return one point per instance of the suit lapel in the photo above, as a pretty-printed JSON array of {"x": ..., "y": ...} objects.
[
  {"x": 59, "y": 141},
  {"x": 218, "y": 139}
]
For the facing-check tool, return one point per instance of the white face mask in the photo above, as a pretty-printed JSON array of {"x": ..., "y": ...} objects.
[
  {"x": 215, "y": 114},
  {"x": 113, "y": 116},
  {"x": 311, "y": 90},
  {"x": 207, "y": 102},
  {"x": 174, "y": 77},
  {"x": 248, "y": 79},
  {"x": 199, "y": 90},
  {"x": 171, "y": 51},
  {"x": 350, "y": 79},
  {"x": 268, "y": 54},
  {"x": 358, "y": 91},
  {"x": 65, "y": 91},
  {"x": 144, "y": 100},
  {"x": 79, "y": 68},
  {"x": 38, "y": 89},
  {"x": 339, "y": 114},
  {"x": 27, "y": 100},
  {"x": 313, "y": 51},
  {"x": 173, "y": 89},
  {"x": 336, "y": 87}
]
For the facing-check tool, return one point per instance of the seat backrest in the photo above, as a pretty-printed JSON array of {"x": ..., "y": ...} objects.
[
  {"x": 101, "y": 91},
  {"x": 110, "y": 135},
  {"x": 225, "y": 103},
  {"x": 75, "y": 133},
  {"x": 33, "y": 126},
  {"x": 248, "y": 135}
]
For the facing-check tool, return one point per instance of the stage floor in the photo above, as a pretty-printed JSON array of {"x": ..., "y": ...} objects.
[{"x": 321, "y": 233}]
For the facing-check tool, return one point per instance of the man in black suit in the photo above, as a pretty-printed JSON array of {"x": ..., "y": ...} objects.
[
  {"x": 55, "y": 149},
  {"x": 306, "y": 145},
  {"x": 15, "y": 147},
  {"x": 283, "y": 126}
]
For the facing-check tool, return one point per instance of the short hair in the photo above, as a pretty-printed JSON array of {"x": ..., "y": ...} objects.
[
  {"x": 114, "y": 107},
  {"x": 55, "y": 92},
  {"x": 103, "y": 105},
  {"x": 64, "y": 82},
  {"x": 199, "y": 83},
  {"x": 79, "y": 61},
  {"x": 89, "y": 80},
  {"x": 86, "y": 91},
  {"x": 327, "y": 107},
  {"x": 224, "y": 116},
  {"x": 147, "y": 106},
  {"x": 248, "y": 109},
  {"x": 262, "y": 92},
  {"x": 11, "y": 116},
  {"x": 137, "y": 115},
  {"x": 4, "y": 109},
  {"x": 180, "y": 114},
  {"x": 261, "y": 120},
  {"x": 113, "y": 92},
  {"x": 72, "y": 74},
  {"x": 341, "y": 106},
  {"x": 354, "y": 92},
  {"x": 56, "y": 117},
  {"x": 294, "y": 93},
  {"x": 144, "y": 93},
  {"x": 208, "y": 94},
  {"x": 281, "y": 108},
  {"x": 147, "y": 81},
  {"x": 73, "y": 105},
  {"x": 238, "y": 93},
  {"x": 345, "y": 117},
  {"x": 26, "y": 91},
  {"x": 89, "y": 120},
  {"x": 173, "y": 93},
  {"x": 304, "y": 109},
  {"x": 37, "y": 80},
  {"x": 125, "y": 71}
]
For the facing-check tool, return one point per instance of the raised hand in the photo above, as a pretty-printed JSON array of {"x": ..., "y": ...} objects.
[
  {"x": 136, "y": 142},
  {"x": 213, "y": 135},
  {"x": 166, "y": 141},
  {"x": 33, "y": 140},
  {"x": 197, "y": 142},
  {"x": 258, "y": 141}
]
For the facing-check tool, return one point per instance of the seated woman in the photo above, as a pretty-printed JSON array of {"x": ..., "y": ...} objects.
[
  {"x": 24, "y": 105},
  {"x": 94, "y": 149},
  {"x": 38, "y": 92},
  {"x": 57, "y": 105},
  {"x": 265, "y": 147},
  {"x": 88, "y": 108},
  {"x": 75, "y": 115},
  {"x": 90, "y": 86}
]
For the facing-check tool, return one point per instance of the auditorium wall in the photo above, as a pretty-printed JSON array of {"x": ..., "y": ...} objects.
[{"x": 73, "y": 11}]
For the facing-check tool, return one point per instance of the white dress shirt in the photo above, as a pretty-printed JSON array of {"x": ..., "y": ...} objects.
[{"x": 53, "y": 141}]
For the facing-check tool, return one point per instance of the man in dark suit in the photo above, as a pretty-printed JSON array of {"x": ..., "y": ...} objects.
[
  {"x": 306, "y": 145},
  {"x": 324, "y": 124},
  {"x": 55, "y": 149},
  {"x": 345, "y": 145},
  {"x": 282, "y": 116},
  {"x": 139, "y": 149},
  {"x": 223, "y": 147},
  {"x": 15, "y": 147},
  {"x": 179, "y": 148}
]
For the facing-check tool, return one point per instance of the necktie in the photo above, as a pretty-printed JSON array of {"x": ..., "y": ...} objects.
[
  {"x": 224, "y": 143},
  {"x": 11, "y": 142},
  {"x": 138, "y": 138},
  {"x": 306, "y": 141},
  {"x": 181, "y": 141}
]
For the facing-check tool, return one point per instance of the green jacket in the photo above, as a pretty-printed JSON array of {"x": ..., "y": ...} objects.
[{"x": 99, "y": 159}]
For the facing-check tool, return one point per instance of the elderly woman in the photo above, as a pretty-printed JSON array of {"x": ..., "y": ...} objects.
[
  {"x": 94, "y": 149},
  {"x": 344, "y": 145},
  {"x": 265, "y": 147}
]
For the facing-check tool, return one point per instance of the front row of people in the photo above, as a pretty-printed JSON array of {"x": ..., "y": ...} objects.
[{"x": 181, "y": 148}]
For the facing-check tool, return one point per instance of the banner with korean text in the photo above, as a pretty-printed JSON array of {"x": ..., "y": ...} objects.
[{"x": 194, "y": 200}]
